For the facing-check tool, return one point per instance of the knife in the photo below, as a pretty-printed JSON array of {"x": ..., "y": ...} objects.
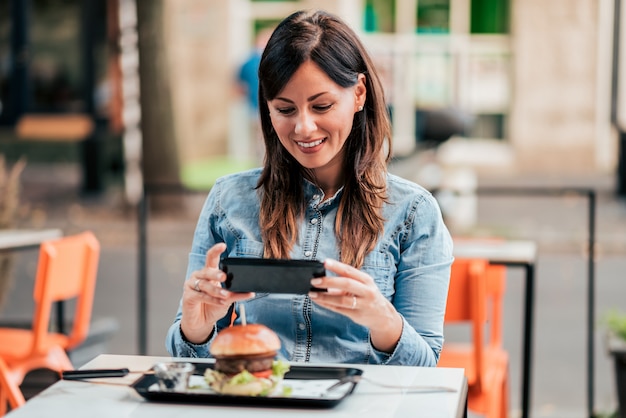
[{"x": 93, "y": 373}]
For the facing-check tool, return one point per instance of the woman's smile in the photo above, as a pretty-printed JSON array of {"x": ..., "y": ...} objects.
[{"x": 309, "y": 146}]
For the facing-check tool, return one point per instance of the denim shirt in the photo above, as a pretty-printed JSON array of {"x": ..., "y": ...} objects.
[{"x": 410, "y": 264}]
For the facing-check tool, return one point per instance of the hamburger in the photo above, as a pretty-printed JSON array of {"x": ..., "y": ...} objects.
[{"x": 245, "y": 362}]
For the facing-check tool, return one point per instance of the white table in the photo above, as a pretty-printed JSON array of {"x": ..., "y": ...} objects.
[
  {"x": 512, "y": 254},
  {"x": 69, "y": 399},
  {"x": 17, "y": 239},
  {"x": 496, "y": 251}
]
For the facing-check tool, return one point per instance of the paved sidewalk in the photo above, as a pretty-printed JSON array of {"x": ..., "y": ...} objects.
[{"x": 557, "y": 224}]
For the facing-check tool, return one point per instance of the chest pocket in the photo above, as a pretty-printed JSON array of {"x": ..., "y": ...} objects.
[
  {"x": 378, "y": 265},
  {"x": 247, "y": 248}
]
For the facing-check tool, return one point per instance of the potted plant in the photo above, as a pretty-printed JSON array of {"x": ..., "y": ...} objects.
[{"x": 616, "y": 342}]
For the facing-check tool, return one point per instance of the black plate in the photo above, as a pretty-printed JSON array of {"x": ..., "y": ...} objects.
[{"x": 146, "y": 387}]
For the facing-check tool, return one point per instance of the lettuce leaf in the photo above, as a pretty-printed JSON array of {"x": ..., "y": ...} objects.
[
  {"x": 280, "y": 368},
  {"x": 216, "y": 379},
  {"x": 242, "y": 378}
]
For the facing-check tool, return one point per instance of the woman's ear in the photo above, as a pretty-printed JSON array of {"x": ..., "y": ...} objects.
[{"x": 360, "y": 93}]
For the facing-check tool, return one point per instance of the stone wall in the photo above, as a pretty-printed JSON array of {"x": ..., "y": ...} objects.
[
  {"x": 198, "y": 39},
  {"x": 553, "y": 115}
]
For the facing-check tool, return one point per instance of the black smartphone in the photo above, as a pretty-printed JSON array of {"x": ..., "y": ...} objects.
[{"x": 268, "y": 275}]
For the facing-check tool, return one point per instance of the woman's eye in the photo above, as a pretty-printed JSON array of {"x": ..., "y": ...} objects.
[
  {"x": 322, "y": 108},
  {"x": 285, "y": 110}
]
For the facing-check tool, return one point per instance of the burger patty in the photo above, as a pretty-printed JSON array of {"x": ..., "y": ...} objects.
[{"x": 235, "y": 364}]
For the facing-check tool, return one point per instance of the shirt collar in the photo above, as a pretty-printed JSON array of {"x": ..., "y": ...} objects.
[{"x": 314, "y": 194}]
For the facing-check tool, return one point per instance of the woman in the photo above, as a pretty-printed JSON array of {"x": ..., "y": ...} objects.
[{"x": 324, "y": 193}]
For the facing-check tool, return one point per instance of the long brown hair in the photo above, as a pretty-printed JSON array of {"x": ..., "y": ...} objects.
[{"x": 328, "y": 42}]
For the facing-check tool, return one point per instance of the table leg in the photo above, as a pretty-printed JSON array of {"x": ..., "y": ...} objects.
[
  {"x": 528, "y": 334},
  {"x": 142, "y": 285},
  {"x": 465, "y": 412}
]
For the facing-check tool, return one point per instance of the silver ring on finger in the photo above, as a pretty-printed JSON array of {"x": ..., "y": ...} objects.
[
  {"x": 196, "y": 285},
  {"x": 353, "y": 307}
]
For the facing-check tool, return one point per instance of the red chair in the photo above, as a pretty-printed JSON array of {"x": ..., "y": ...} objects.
[
  {"x": 475, "y": 299},
  {"x": 66, "y": 269}
]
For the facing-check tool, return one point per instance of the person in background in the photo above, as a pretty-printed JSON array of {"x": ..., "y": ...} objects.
[
  {"x": 247, "y": 76},
  {"x": 323, "y": 193},
  {"x": 248, "y": 86}
]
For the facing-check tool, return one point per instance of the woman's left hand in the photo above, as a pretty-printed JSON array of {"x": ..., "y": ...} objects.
[{"x": 354, "y": 294}]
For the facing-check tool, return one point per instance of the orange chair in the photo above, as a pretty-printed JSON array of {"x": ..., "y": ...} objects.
[
  {"x": 475, "y": 298},
  {"x": 15, "y": 396},
  {"x": 66, "y": 269}
]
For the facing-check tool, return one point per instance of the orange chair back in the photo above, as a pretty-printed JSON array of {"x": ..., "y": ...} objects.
[
  {"x": 66, "y": 270},
  {"x": 466, "y": 294},
  {"x": 475, "y": 299},
  {"x": 467, "y": 304},
  {"x": 496, "y": 286}
]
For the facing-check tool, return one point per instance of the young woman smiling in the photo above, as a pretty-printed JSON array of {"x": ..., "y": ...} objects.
[{"x": 323, "y": 193}]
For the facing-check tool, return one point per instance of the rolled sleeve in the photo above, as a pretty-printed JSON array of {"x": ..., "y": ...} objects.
[{"x": 178, "y": 346}]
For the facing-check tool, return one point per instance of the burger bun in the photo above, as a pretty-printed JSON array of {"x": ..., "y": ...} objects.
[{"x": 245, "y": 340}]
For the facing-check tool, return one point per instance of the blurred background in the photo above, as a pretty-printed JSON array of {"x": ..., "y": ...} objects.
[
  {"x": 534, "y": 79},
  {"x": 109, "y": 102}
]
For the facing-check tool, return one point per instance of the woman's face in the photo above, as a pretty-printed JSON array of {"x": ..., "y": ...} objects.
[{"x": 312, "y": 117}]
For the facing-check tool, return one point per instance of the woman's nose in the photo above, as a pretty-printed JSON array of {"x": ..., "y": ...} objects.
[{"x": 305, "y": 123}]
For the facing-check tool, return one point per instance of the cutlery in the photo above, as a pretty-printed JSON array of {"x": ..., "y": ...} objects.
[
  {"x": 412, "y": 388},
  {"x": 97, "y": 373}
]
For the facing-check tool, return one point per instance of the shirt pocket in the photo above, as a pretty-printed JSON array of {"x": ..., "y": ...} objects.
[
  {"x": 378, "y": 265},
  {"x": 247, "y": 248}
]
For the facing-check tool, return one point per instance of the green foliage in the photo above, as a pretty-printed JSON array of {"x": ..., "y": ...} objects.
[
  {"x": 201, "y": 175},
  {"x": 614, "y": 414},
  {"x": 604, "y": 414},
  {"x": 615, "y": 321}
]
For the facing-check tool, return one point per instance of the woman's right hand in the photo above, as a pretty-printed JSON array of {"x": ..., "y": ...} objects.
[{"x": 204, "y": 300}]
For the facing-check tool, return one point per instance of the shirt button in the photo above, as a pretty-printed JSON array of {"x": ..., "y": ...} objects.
[
  {"x": 307, "y": 253},
  {"x": 314, "y": 221},
  {"x": 301, "y": 326}
]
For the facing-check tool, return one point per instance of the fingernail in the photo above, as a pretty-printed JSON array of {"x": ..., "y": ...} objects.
[
  {"x": 223, "y": 292},
  {"x": 329, "y": 262},
  {"x": 312, "y": 295},
  {"x": 316, "y": 281}
]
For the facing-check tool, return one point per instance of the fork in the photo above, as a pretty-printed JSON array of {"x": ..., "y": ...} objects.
[{"x": 412, "y": 388}]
